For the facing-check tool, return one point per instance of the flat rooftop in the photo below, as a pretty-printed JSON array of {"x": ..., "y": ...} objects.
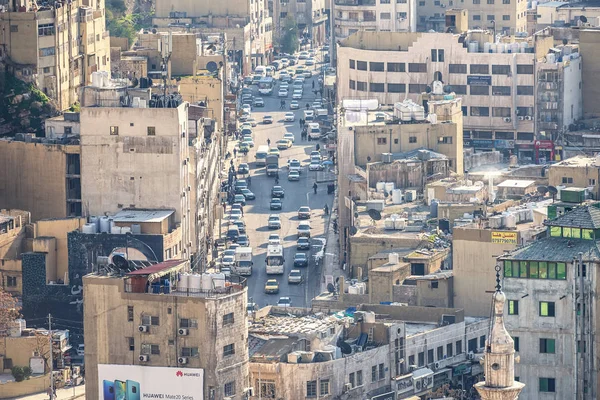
[
  {"x": 413, "y": 328},
  {"x": 577, "y": 161},
  {"x": 516, "y": 183},
  {"x": 142, "y": 215},
  {"x": 271, "y": 324}
]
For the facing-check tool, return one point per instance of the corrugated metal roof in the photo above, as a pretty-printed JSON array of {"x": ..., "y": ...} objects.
[
  {"x": 557, "y": 249},
  {"x": 586, "y": 217}
]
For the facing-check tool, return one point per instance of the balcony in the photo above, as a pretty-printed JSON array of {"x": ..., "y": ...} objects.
[
  {"x": 232, "y": 284},
  {"x": 360, "y": 3}
]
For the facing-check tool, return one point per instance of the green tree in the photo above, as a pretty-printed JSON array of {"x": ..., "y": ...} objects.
[
  {"x": 20, "y": 373},
  {"x": 289, "y": 35}
]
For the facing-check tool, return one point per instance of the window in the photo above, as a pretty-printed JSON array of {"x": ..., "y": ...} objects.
[
  {"x": 516, "y": 340},
  {"x": 459, "y": 89},
  {"x": 376, "y": 66},
  {"x": 458, "y": 346},
  {"x": 266, "y": 388},
  {"x": 480, "y": 91},
  {"x": 476, "y": 1},
  {"x": 547, "y": 346},
  {"x": 482, "y": 341},
  {"x": 229, "y": 350},
  {"x": 401, "y": 15},
  {"x": 189, "y": 352},
  {"x": 361, "y": 86},
  {"x": 47, "y": 51},
  {"x": 11, "y": 281},
  {"x": 506, "y": 18},
  {"x": 547, "y": 385},
  {"x": 547, "y": 309},
  {"x": 384, "y": 1},
  {"x": 490, "y": 1},
  {"x": 188, "y": 323},
  {"x": 442, "y": 140},
  {"x": 131, "y": 344},
  {"x": 505, "y": 1},
  {"x": 479, "y": 68},
  {"x": 381, "y": 371},
  {"x": 433, "y": 55},
  {"x": 396, "y": 67},
  {"x": 513, "y": 307},
  {"x": 381, "y": 140},
  {"x": 396, "y": 88},
  {"x": 449, "y": 350},
  {"x": 501, "y": 112},
  {"x": 465, "y": 113},
  {"x": 430, "y": 358},
  {"x": 151, "y": 131},
  {"x": 566, "y": 179},
  {"x": 401, "y": 1},
  {"x": 114, "y": 130},
  {"x": 45, "y": 29},
  {"x": 525, "y": 69},
  {"x": 472, "y": 345},
  {"x": 416, "y": 88},
  {"x": 441, "y": 55},
  {"x": 417, "y": 67},
  {"x": 361, "y": 65},
  {"x": 377, "y": 87},
  {"x": 457, "y": 68},
  {"x": 359, "y": 378},
  {"x": 150, "y": 320},
  {"x": 229, "y": 389},
  {"x": 525, "y": 90},
  {"x": 476, "y": 17},
  {"x": 411, "y": 360},
  {"x": 352, "y": 64},
  {"x": 150, "y": 349},
  {"x": 412, "y": 139},
  {"x": 525, "y": 136},
  {"x": 490, "y": 17},
  {"x": 581, "y": 344},
  {"x": 352, "y": 84},
  {"x": 311, "y": 389},
  {"x": 374, "y": 373},
  {"x": 228, "y": 319},
  {"x": 480, "y": 111},
  {"x": 385, "y": 15},
  {"x": 500, "y": 69},
  {"x": 324, "y": 387},
  {"x": 440, "y": 353},
  {"x": 14, "y": 28},
  {"x": 421, "y": 359},
  {"x": 351, "y": 379},
  {"x": 46, "y": 70},
  {"x": 129, "y": 313},
  {"x": 446, "y": 140},
  {"x": 524, "y": 110},
  {"x": 591, "y": 182}
]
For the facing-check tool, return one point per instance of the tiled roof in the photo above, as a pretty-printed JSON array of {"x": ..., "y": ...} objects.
[
  {"x": 587, "y": 217},
  {"x": 557, "y": 249}
]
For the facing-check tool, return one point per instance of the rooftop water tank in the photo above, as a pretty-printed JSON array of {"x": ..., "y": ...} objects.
[
  {"x": 396, "y": 196},
  {"x": 399, "y": 224},
  {"x": 96, "y": 221},
  {"x": 204, "y": 281},
  {"x": 389, "y": 186},
  {"x": 388, "y": 224},
  {"x": 182, "y": 285},
  {"x": 434, "y": 208},
  {"x": 115, "y": 230},
  {"x": 136, "y": 229},
  {"x": 473, "y": 46},
  {"x": 487, "y": 47},
  {"x": 380, "y": 186},
  {"x": 393, "y": 258},
  {"x": 89, "y": 228},
  {"x": 218, "y": 280},
  {"x": 104, "y": 224}
]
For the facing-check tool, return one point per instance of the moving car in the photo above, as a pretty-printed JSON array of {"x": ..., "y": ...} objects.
[
  {"x": 240, "y": 198},
  {"x": 243, "y": 168},
  {"x": 300, "y": 260},
  {"x": 282, "y": 93},
  {"x": 248, "y": 194},
  {"x": 274, "y": 222},
  {"x": 295, "y": 276},
  {"x": 293, "y": 176},
  {"x": 252, "y": 121},
  {"x": 258, "y": 102},
  {"x": 246, "y": 131},
  {"x": 243, "y": 241},
  {"x": 303, "y": 229},
  {"x": 315, "y": 166},
  {"x": 267, "y": 119},
  {"x": 310, "y": 62},
  {"x": 274, "y": 151},
  {"x": 274, "y": 239},
  {"x": 295, "y": 165},
  {"x": 303, "y": 243},
  {"x": 303, "y": 55},
  {"x": 276, "y": 204},
  {"x": 284, "y": 302},
  {"x": 284, "y": 85},
  {"x": 304, "y": 212},
  {"x": 294, "y": 105},
  {"x": 228, "y": 261},
  {"x": 289, "y": 116},
  {"x": 283, "y": 144},
  {"x": 289, "y": 136},
  {"x": 271, "y": 286},
  {"x": 297, "y": 95},
  {"x": 277, "y": 191}
]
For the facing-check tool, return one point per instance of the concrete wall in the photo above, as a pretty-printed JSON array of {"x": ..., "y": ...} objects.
[
  {"x": 105, "y": 306},
  {"x": 20, "y": 349},
  {"x": 364, "y": 246},
  {"x": 35, "y": 384},
  {"x": 414, "y": 314},
  {"x": 203, "y": 8},
  {"x": 32, "y": 177},
  {"x": 588, "y": 45},
  {"x": 429, "y": 296}
]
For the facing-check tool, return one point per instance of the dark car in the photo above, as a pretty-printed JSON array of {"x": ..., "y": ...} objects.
[
  {"x": 277, "y": 192},
  {"x": 248, "y": 194},
  {"x": 243, "y": 169},
  {"x": 248, "y": 80},
  {"x": 276, "y": 204},
  {"x": 300, "y": 260},
  {"x": 243, "y": 240},
  {"x": 303, "y": 243}
]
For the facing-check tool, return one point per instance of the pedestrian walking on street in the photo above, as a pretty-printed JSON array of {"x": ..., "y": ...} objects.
[
  {"x": 313, "y": 84},
  {"x": 326, "y": 210},
  {"x": 234, "y": 152},
  {"x": 315, "y": 187},
  {"x": 268, "y": 142},
  {"x": 249, "y": 180},
  {"x": 300, "y": 122}
]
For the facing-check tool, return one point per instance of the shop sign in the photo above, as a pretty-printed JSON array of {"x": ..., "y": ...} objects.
[
  {"x": 483, "y": 143},
  {"x": 404, "y": 385},
  {"x": 479, "y": 80},
  {"x": 441, "y": 378},
  {"x": 544, "y": 144},
  {"x": 504, "y": 237},
  {"x": 461, "y": 369},
  {"x": 504, "y": 144}
]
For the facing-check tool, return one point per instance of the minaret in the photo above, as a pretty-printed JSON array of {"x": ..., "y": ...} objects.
[{"x": 499, "y": 359}]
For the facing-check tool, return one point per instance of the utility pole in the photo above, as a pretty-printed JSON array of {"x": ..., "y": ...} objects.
[{"x": 51, "y": 356}]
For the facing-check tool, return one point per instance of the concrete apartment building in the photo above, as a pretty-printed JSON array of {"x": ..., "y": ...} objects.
[
  {"x": 167, "y": 324},
  {"x": 551, "y": 303},
  {"x": 588, "y": 45},
  {"x": 309, "y": 15},
  {"x": 13, "y": 242},
  {"x": 562, "y": 12},
  {"x": 351, "y": 16},
  {"x": 56, "y": 46},
  {"x": 497, "y": 89},
  {"x": 578, "y": 172}
]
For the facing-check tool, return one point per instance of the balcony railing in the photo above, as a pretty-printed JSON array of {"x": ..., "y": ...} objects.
[
  {"x": 232, "y": 284},
  {"x": 354, "y": 2}
]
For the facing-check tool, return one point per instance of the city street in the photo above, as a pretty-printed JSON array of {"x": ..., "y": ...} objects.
[{"x": 297, "y": 194}]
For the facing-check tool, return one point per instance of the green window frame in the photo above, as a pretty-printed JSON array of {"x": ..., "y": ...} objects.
[
  {"x": 555, "y": 231},
  {"x": 547, "y": 346},
  {"x": 543, "y": 269},
  {"x": 533, "y": 270},
  {"x": 576, "y": 233},
  {"x": 587, "y": 234},
  {"x": 547, "y": 309},
  {"x": 523, "y": 269},
  {"x": 566, "y": 232},
  {"x": 561, "y": 271},
  {"x": 551, "y": 270},
  {"x": 507, "y": 269},
  {"x": 513, "y": 307}
]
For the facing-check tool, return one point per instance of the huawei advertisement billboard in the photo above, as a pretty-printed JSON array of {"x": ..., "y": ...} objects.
[{"x": 134, "y": 382}]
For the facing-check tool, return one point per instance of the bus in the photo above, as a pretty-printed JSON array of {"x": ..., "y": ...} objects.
[
  {"x": 266, "y": 85},
  {"x": 275, "y": 259},
  {"x": 261, "y": 155}
]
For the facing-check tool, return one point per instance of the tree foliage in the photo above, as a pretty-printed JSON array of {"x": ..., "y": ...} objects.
[
  {"x": 9, "y": 311},
  {"x": 20, "y": 373},
  {"x": 289, "y": 35}
]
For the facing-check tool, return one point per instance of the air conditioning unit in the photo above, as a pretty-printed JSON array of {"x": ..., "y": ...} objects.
[
  {"x": 347, "y": 387},
  {"x": 471, "y": 355},
  {"x": 436, "y": 365},
  {"x": 521, "y": 118},
  {"x": 183, "y": 331},
  {"x": 144, "y": 328},
  {"x": 529, "y": 118},
  {"x": 507, "y": 119},
  {"x": 418, "y": 385},
  {"x": 182, "y": 360},
  {"x": 412, "y": 368},
  {"x": 143, "y": 358},
  {"x": 226, "y": 109}
]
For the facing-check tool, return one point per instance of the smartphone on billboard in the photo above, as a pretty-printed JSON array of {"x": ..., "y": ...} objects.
[
  {"x": 120, "y": 390},
  {"x": 109, "y": 390},
  {"x": 133, "y": 390}
]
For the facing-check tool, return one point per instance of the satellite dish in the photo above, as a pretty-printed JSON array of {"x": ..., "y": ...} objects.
[
  {"x": 330, "y": 288},
  {"x": 212, "y": 66},
  {"x": 154, "y": 31},
  {"x": 353, "y": 231},
  {"x": 448, "y": 89},
  {"x": 583, "y": 18},
  {"x": 428, "y": 89},
  {"x": 120, "y": 261},
  {"x": 552, "y": 190},
  {"x": 345, "y": 347},
  {"x": 542, "y": 190},
  {"x": 374, "y": 214}
]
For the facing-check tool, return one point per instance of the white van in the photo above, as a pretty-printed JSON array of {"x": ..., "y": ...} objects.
[
  {"x": 314, "y": 132},
  {"x": 309, "y": 115},
  {"x": 261, "y": 155}
]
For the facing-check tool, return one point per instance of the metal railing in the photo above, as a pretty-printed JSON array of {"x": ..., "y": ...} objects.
[{"x": 233, "y": 284}]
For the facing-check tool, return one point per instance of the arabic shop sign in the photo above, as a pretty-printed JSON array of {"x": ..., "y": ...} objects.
[
  {"x": 504, "y": 237},
  {"x": 404, "y": 385},
  {"x": 479, "y": 80}
]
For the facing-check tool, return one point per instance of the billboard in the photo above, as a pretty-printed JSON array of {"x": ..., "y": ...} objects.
[
  {"x": 136, "y": 382},
  {"x": 504, "y": 237}
]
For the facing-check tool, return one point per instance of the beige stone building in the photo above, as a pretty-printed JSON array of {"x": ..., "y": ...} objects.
[
  {"x": 168, "y": 326},
  {"x": 13, "y": 242},
  {"x": 55, "y": 46},
  {"x": 497, "y": 89},
  {"x": 580, "y": 171},
  {"x": 588, "y": 40},
  {"x": 309, "y": 15}
]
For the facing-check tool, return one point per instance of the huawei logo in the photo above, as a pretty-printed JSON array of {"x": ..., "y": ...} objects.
[{"x": 179, "y": 373}]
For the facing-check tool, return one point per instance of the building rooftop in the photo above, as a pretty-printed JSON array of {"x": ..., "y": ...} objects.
[
  {"x": 272, "y": 324},
  {"x": 577, "y": 161},
  {"x": 585, "y": 217},
  {"x": 557, "y": 249},
  {"x": 142, "y": 215},
  {"x": 413, "y": 328},
  {"x": 432, "y": 277},
  {"x": 159, "y": 269},
  {"x": 516, "y": 183}
]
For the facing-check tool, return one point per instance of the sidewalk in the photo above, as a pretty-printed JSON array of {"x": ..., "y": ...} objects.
[
  {"x": 61, "y": 394},
  {"x": 331, "y": 264}
]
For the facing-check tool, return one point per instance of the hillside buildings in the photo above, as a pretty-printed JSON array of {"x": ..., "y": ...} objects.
[{"x": 310, "y": 16}]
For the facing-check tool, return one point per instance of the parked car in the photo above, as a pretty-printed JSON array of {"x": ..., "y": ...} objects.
[
  {"x": 243, "y": 169},
  {"x": 240, "y": 198},
  {"x": 243, "y": 241},
  {"x": 248, "y": 194}
]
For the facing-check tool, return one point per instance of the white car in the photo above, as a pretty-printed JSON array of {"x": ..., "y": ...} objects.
[
  {"x": 295, "y": 165},
  {"x": 228, "y": 261},
  {"x": 310, "y": 62},
  {"x": 274, "y": 239},
  {"x": 297, "y": 95},
  {"x": 289, "y": 135},
  {"x": 314, "y": 166},
  {"x": 294, "y": 176},
  {"x": 252, "y": 122},
  {"x": 307, "y": 74},
  {"x": 289, "y": 117},
  {"x": 247, "y": 108},
  {"x": 295, "y": 276},
  {"x": 274, "y": 222},
  {"x": 294, "y": 105},
  {"x": 284, "y": 302},
  {"x": 285, "y": 86},
  {"x": 283, "y": 93},
  {"x": 304, "y": 229},
  {"x": 267, "y": 119},
  {"x": 303, "y": 55}
]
